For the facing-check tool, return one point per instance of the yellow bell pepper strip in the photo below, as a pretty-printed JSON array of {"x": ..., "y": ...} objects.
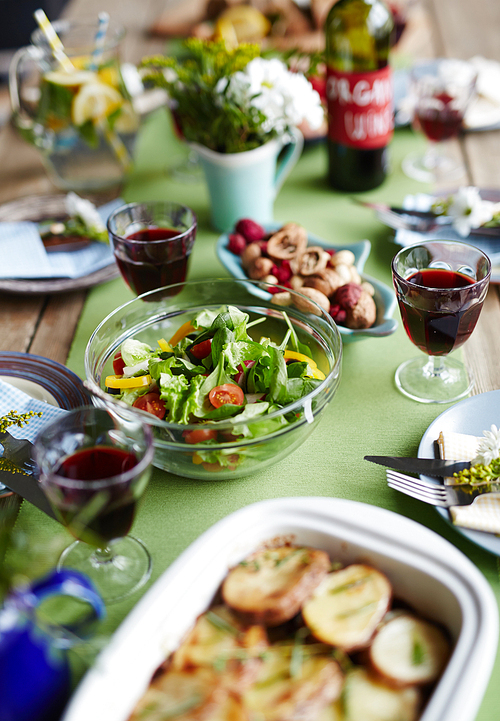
[
  {"x": 134, "y": 382},
  {"x": 164, "y": 345},
  {"x": 319, "y": 375},
  {"x": 293, "y": 355},
  {"x": 183, "y": 331}
]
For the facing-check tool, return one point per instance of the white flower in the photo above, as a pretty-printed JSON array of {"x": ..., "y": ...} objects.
[
  {"x": 488, "y": 448},
  {"x": 283, "y": 97},
  {"x": 77, "y": 207},
  {"x": 468, "y": 210}
]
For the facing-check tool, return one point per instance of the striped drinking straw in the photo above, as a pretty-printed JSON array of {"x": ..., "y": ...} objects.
[
  {"x": 53, "y": 40},
  {"x": 99, "y": 40}
]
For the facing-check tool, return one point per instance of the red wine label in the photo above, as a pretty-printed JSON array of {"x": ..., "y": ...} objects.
[{"x": 360, "y": 108}]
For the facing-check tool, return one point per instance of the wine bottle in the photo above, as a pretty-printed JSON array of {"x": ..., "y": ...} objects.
[{"x": 359, "y": 93}]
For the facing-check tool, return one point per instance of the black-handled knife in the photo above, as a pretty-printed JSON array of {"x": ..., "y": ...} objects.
[{"x": 426, "y": 466}]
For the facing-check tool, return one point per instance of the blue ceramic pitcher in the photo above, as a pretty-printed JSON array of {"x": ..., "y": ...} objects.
[
  {"x": 35, "y": 681},
  {"x": 244, "y": 185}
]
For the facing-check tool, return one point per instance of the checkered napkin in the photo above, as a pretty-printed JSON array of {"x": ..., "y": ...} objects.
[
  {"x": 484, "y": 513},
  {"x": 24, "y": 256},
  {"x": 13, "y": 399}
]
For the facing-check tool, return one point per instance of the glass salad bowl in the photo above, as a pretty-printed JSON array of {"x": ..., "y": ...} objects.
[{"x": 218, "y": 447}]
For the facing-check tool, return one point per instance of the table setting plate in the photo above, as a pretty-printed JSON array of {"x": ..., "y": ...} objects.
[
  {"x": 385, "y": 297},
  {"x": 489, "y": 245},
  {"x": 471, "y": 416},
  {"x": 36, "y": 209},
  {"x": 43, "y": 379}
]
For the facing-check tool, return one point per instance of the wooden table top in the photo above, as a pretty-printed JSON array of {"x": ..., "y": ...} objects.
[{"x": 45, "y": 325}]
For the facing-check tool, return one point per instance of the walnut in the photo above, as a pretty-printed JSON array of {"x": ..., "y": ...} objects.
[
  {"x": 288, "y": 242},
  {"x": 251, "y": 252},
  {"x": 311, "y": 262},
  {"x": 363, "y": 314},
  {"x": 259, "y": 268},
  {"x": 306, "y": 306}
]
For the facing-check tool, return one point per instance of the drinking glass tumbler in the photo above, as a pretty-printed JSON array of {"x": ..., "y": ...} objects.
[
  {"x": 440, "y": 286},
  {"x": 441, "y": 91},
  {"x": 94, "y": 469},
  {"x": 152, "y": 243}
]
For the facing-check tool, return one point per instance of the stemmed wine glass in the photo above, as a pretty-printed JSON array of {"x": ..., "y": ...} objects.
[
  {"x": 440, "y": 286},
  {"x": 441, "y": 91},
  {"x": 94, "y": 468}
]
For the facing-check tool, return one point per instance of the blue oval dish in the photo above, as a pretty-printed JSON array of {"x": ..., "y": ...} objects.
[{"x": 385, "y": 298}]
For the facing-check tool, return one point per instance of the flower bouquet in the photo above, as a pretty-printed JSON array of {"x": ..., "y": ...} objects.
[{"x": 238, "y": 110}]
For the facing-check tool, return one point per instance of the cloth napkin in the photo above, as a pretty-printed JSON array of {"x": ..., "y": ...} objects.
[
  {"x": 484, "y": 513},
  {"x": 13, "y": 399},
  {"x": 422, "y": 201},
  {"x": 24, "y": 255}
]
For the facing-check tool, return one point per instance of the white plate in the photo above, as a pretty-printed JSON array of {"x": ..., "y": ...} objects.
[
  {"x": 471, "y": 416},
  {"x": 426, "y": 570}
]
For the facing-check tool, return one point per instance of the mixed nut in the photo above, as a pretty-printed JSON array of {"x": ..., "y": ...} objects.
[{"x": 327, "y": 277}]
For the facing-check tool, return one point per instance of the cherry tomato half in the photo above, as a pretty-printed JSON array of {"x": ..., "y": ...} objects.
[
  {"x": 200, "y": 435},
  {"x": 226, "y": 393},
  {"x": 151, "y": 403},
  {"x": 118, "y": 364},
  {"x": 203, "y": 349}
]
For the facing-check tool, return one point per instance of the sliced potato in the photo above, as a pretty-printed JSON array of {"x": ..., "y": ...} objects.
[
  {"x": 270, "y": 586},
  {"x": 333, "y": 712},
  {"x": 346, "y": 608},
  {"x": 408, "y": 650},
  {"x": 287, "y": 690},
  {"x": 182, "y": 695},
  {"x": 366, "y": 699},
  {"x": 218, "y": 640},
  {"x": 231, "y": 710}
]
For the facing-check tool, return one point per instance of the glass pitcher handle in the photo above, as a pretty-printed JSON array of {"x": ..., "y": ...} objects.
[{"x": 23, "y": 119}]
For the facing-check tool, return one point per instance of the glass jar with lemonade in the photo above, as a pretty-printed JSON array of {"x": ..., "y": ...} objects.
[{"x": 80, "y": 116}]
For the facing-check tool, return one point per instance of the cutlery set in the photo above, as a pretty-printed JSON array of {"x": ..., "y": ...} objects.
[
  {"x": 418, "y": 220},
  {"x": 436, "y": 494}
]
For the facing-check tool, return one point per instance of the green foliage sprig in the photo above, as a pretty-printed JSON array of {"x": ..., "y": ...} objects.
[
  {"x": 480, "y": 473},
  {"x": 204, "y": 115},
  {"x": 14, "y": 418}
]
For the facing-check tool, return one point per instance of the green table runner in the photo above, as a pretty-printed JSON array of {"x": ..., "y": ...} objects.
[{"x": 367, "y": 416}]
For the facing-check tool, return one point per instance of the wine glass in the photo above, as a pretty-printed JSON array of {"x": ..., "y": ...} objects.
[
  {"x": 441, "y": 91},
  {"x": 440, "y": 286},
  {"x": 94, "y": 468},
  {"x": 152, "y": 243}
]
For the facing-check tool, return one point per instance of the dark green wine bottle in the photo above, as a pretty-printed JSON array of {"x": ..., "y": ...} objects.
[{"x": 359, "y": 93}]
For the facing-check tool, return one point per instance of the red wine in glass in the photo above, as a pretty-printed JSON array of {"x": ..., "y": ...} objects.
[
  {"x": 149, "y": 268},
  {"x": 433, "y": 331},
  {"x": 440, "y": 121},
  {"x": 115, "y": 505}
]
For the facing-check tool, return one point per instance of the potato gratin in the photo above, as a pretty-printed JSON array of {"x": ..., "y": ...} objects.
[{"x": 290, "y": 639}]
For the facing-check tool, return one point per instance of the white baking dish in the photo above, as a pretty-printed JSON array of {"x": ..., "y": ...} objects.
[{"x": 425, "y": 570}]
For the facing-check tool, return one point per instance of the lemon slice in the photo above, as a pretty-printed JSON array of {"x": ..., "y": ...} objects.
[
  {"x": 94, "y": 101},
  {"x": 80, "y": 77},
  {"x": 241, "y": 24}
]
